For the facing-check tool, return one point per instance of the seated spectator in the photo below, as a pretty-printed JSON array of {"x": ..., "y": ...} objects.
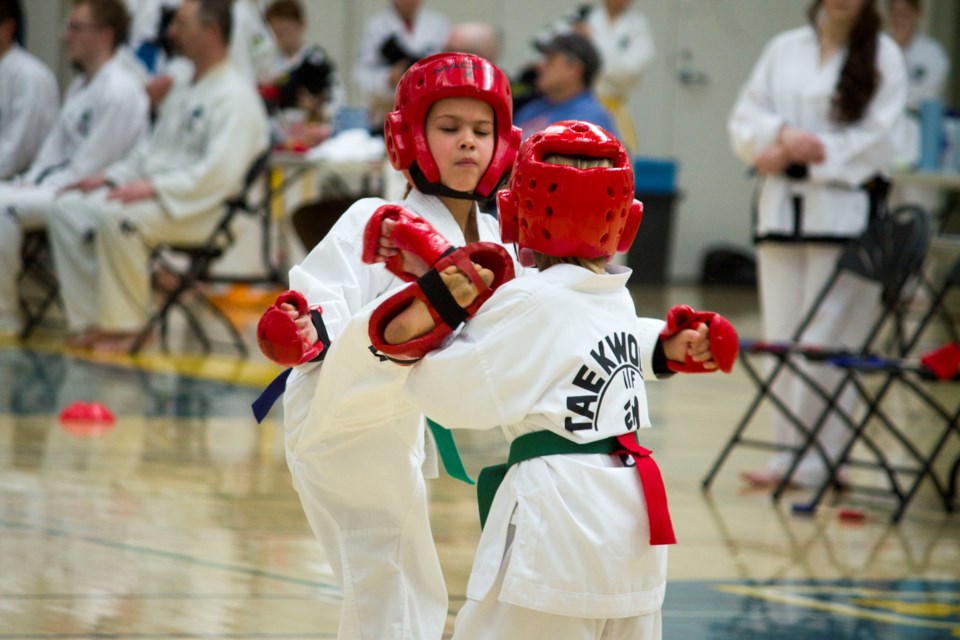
[
  {"x": 104, "y": 115},
  {"x": 303, "y": 77},
  {"x": 170, "y": 189},
  {"x": 28, "y": 96},
  {"x": 478, "y": 38},
  {"x": 565, "y": 78},
  {"x": 393, "y": 40}
]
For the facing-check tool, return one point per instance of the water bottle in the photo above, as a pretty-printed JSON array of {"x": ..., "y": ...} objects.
[{"x": 931, "y": 135}]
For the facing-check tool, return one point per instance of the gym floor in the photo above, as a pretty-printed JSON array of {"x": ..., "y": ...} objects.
[{"x": 179, "y": 520}]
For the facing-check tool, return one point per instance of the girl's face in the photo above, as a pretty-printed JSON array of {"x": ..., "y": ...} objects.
[{"x": 460, "y": 136}]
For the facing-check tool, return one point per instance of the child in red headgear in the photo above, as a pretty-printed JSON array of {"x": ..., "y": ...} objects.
[
  {"x": 355, "y": 446},
  {"x": 575, "y": 525}
]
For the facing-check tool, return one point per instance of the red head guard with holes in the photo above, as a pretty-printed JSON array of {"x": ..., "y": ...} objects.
[
  {"x": 566, "y": 211},
  {"x": 449, "y": 75}
]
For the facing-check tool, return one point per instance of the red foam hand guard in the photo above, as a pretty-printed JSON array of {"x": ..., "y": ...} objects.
[
  {"x": 278, "y": 335},
  {"x": 486, "y": 254},
  {"x": 410, "y": 233},
  {"x": 724, "y": 343}
]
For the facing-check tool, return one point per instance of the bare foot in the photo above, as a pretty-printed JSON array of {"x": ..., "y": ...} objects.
[
  {"x": 83, "y": 340},
  {"x": 117, "y": 343},
  {"x": 767, "y": 480}
]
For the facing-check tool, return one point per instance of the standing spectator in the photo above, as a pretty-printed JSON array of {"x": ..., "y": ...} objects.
[
  {"x": 816, "y": 120},
  {"x": 171, "y": 188},
  {"x": 104, "y": 115},
  {"x": 28, "y": 96},
  {"x": 622, "y": 36},
  {"x": 565, "y": 77},
  {"x": 393, "y": 40},
  {"x": 252, "y": 47},
  {"x": 927, "y": 64},
  {"x": 927, "y": 69}
]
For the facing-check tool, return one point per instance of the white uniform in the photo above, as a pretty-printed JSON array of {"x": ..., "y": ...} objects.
[
  {"x": 927, "y": 70},
  {"x": 205, "y": 139},
  {"x": 567, "y": 535},
  {"x": 102, "y": 119},
  {"x": 29, "y": 99},
  {"x": 427, "y": 35},
  {"x": 252, "y": 47},
  {"x": 788, "y": 87},
  {"x": 355, "y": 445}
]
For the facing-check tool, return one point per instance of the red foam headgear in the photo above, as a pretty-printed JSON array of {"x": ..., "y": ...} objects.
[
  {"x": 449, "y": 75},
  {"x": 565, "y": 211}
]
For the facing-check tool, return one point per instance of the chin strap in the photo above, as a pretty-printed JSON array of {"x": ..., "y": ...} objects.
[{"x": 436, "y": 189}]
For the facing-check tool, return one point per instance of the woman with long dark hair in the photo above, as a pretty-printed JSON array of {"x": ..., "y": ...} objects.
[{"x": 816, "y": 121}]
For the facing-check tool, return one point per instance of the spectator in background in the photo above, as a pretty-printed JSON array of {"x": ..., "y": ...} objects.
[
  {"x": 565, "y": 77},
  {"x": 478, "y": 38},
  {"x": 927, "y": 64},
  {"x": 392, "y": 40},
  {"x": 170, "y": 189},
  {"x": 303, "y": 77},
  {"x": 622, "y": 36},
  {"x": 927, "y": 69},
  {"x": 104, "y": 115},
  {"x": 816, "y": 119},
  {"x": 28, "y": 96},
  {"x": 252, "y": 47}
]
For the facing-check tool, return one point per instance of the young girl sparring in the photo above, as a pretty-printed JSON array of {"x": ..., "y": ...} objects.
[{"x": 355, "y": 445}]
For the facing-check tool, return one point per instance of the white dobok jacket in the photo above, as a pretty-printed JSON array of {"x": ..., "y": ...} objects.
[
  {"x": 102, "y": 119},
  {"x": 29, "y": 101},
  {"x": 563, "y": 351},
  {"x": 788, "y": 86}
]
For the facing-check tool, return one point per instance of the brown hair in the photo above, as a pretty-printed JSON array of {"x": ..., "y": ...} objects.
[
  {"x": 544, "y": 261},
  {"x": 859, "y": 77},
  {"x": 285, "y": 10},
  {"x": 111, "y": 14}
]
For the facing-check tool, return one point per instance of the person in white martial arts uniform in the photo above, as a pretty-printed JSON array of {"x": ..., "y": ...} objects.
[
  {"x": 927, "y": 70},
  {"x": 171, "y": 188},
  {"x": 29, "y": 97},
  {"x": 623, "y": 38},
  {"x": 252, "y": 46},
  {"x": 355, "y": 447},
  {"x": 392, "y": 40},
  {"x": 573, "y": 542},
  {"x": 104, "y": 115},
  {"x": 816, "y": 119}
]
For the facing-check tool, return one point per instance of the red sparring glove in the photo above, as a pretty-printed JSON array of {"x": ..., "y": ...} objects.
[
  {"x": 278, "y": 335},
  {"x": 724, "y": 344},
  {"x": 410, "y": 233},
  {"x": 416, "y": 235}
]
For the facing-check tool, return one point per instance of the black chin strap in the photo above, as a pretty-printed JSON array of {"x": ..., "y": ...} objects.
[{"x": 436, "y": 189}]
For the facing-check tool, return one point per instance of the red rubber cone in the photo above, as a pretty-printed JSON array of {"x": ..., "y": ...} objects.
[{"x": 86, "y": 418}]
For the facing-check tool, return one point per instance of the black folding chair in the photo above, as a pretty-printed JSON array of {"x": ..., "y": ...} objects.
[
  {"x": 168, "y": 259},
  {"x": 37, "y": 282},
  {"x": 912, "y": 374},
  {"x": 890, "y": 253}
]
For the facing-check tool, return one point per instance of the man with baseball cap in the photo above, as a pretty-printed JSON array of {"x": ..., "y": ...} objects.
[{"x": 565, "y": 78}]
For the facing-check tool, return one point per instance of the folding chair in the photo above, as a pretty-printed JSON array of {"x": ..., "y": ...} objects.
[
  {"x": 915, "y": 376},
  {"x": 890, "y": 252},
  {"x": 38, "y": 281},
  {"x": 200, "y": 260}
]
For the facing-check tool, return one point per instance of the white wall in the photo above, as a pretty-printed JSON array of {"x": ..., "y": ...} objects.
[{"x": 720, "y": 38}]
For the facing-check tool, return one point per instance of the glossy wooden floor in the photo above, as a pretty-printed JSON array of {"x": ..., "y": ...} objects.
[{"x": 180, "y": 521}]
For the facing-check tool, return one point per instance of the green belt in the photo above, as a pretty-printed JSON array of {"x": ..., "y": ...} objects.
[
  {"x": 447, "y": 450},
  {"x": 533, "y": 445}
]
